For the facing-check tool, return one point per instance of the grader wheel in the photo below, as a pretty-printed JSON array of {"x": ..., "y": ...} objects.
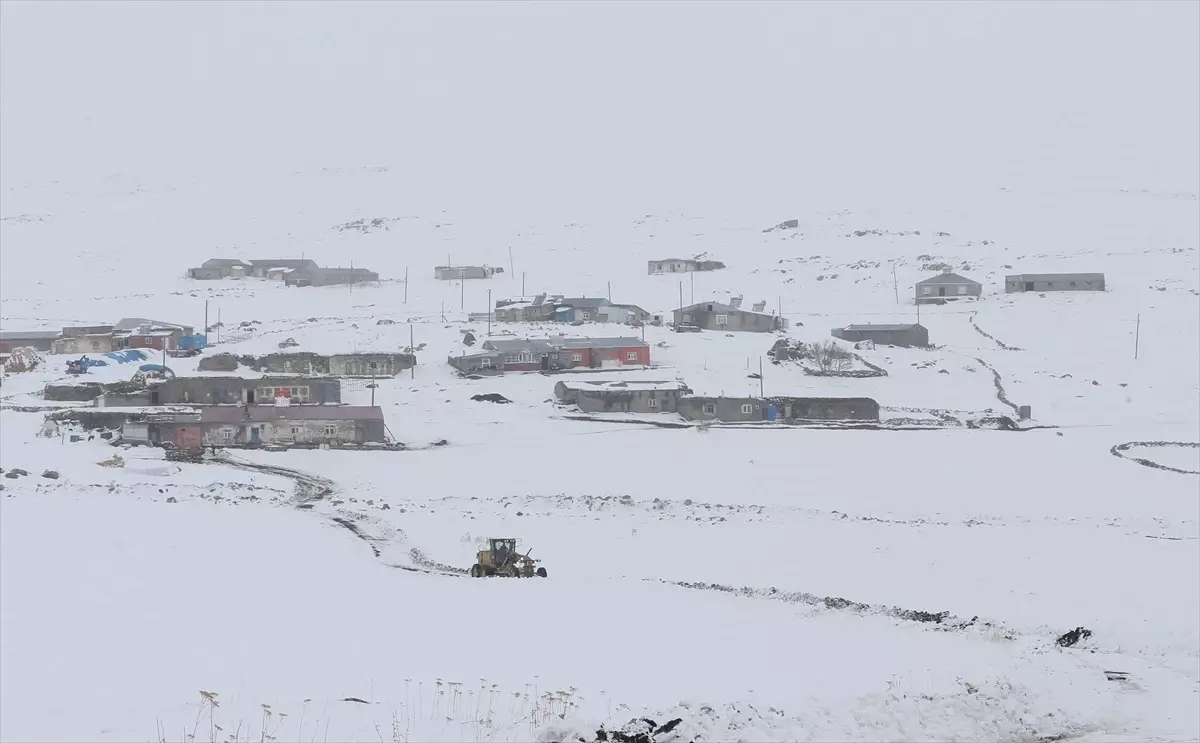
[
  {"x": 476, "y": 571},
  {"x": 541, "y": 572}
]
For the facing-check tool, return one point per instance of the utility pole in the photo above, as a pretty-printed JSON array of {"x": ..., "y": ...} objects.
[
  {"x": 489, "y": 313},
  {"x": 351, "y": 277},
  {"x": 406, "y": 284},
  {"x": 522, "y": 283},
  {"x": 218, "y": 326},
  {"x": 760, "y": 378},
  {"x": 373, "y": 386},
  {"x": 511, "y": 270},
  {"x": 1137, "y": 336},
  {"x": 463, "y": 284},
  {"x": 610, "y": 291},
  {"x": 895, "y": 286},
  {"x": 918, "y": 313},
  {"x": 412, "y": 348},
  {"x": 692, "y": 274},
  {"x": 206, "y": 322},
  {"x": 681, "y": 296}
]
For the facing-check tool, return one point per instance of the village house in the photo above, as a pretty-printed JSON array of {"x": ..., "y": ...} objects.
[
  {"x": 85, "y": 339},
  {"x": 946, "y": 286},
  {"x": 681, "y": 265},
  {"x": 329, "y": 277},
  {"x": 909, "y": 335},
  {"x": 537, "y": 309},
  {"x": 262, "y": 425},
  {"x": 1054, "y": 282},
  {"x": 41, "y": 340},
  {"x": 718, "y": 316},
  {"x": 276, "y": 268},
  {"x": 552, "y": 354},
  {"x": 139, "y": 332},
  {"x": 243, "y": 390},
  {"x": 624, "y": 397},
  {"x": 454, "y": 273},
  {"x": 786, "y": 409},
  {"x": 220, "y": 268},
  {"x": 337, "y": 365}
]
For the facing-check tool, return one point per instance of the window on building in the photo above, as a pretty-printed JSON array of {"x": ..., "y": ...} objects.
[
  {"x": 485, "y": 363},
  {"x": 330, "y": 429},
  {"x": 687, "y": 317},
  {"x": 927, "y": 290},
  {"x": 962, "y": 289},
  {"x": 747, "y": 409},
  {"x": 652, "y": 403},
  {"x": 227, "y": 435},
  {"x": 295, "y": 431},
  {"x": 95, "y": 345},
  {"x": 267, "y": 393},
  {"x": 511, "y": 358},
  {"x": 722, "y": 319},
  {"x": 710, "y": 408},
  {"x": 586, "y": 315},
  {"x": 576, "y": 357},
  {"x": 1072, "y": 284},
  {"x": 301, "y": 394},
  {"x": 525, "y": 358},
  {"x": 631, "y": 356}
]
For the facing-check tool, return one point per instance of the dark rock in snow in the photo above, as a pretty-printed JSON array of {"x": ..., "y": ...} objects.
[
  {"x": 50, "y": 475},
  {"x": 491, "y": 397},
  {"x": 1072, "y": 638}
]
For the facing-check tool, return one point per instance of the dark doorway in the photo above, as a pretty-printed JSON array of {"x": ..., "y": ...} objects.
[
  {"x": 250, "y": 397},
  {"x": 545, "y": 362},
  {"x": 1028, "y": 286},
  {"x": 941, "y": 291}
]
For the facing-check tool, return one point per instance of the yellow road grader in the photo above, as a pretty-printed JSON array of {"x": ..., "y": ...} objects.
[{"x": 501, "y": 558}]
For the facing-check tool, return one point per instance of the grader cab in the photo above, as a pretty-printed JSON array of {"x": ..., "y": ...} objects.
[{"x": 502, "y": 558}]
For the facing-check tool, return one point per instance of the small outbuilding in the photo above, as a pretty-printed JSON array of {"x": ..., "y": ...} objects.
[{"x": 947, "y": 286}]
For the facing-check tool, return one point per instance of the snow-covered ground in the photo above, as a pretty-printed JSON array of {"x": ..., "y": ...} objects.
[{"x": 780, "y": 584}]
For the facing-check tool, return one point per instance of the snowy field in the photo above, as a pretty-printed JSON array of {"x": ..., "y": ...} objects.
[{"x": 772, "y": 584}]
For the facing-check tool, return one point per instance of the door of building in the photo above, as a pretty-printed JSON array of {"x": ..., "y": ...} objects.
[
  {"x": 254, "y": 435},
  {"x": 188, "y": 438},
  {"x": 1028, "y": 286},
  {"x": 941, "y": 291},
  {"x": 545, "y": 362}
]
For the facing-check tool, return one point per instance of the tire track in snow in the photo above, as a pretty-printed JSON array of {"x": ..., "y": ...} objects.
[
  {"x": 989, "y": 336},
  {"x": 311, "y": 490}
]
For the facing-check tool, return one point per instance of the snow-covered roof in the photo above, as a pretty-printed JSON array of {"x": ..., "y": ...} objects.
[
  {"x": 27, "y": 335},
  {"x": 619, "y": 385},
  {"x": 947, "y": 278},
  {"x": 267, "y": 413},
  {"x": 883, "y": 327},
  {"x": 602, "y": 342}
]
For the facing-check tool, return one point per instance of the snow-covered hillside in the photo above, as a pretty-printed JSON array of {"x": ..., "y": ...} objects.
[{"x": 771, "y": 584}]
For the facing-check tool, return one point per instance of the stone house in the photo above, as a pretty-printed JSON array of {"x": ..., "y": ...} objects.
[
  {"x": 239, "y": 390},
  {"x": 718, "y": 316},
  {"x": 947, "y": 286},
  {"x": 41, "y": 340},
  {"x": 1054, "y": 282},
  {"x": 681, "y": 265},
  {"x": 618, "y": 396},
  {"x": 270, "y": 425},
  {"x": 904, "y": 335},
  {"x": 338, "y": 365},
  {"x": 89, "y": 343},
  {"x": 786, "y": 409}
]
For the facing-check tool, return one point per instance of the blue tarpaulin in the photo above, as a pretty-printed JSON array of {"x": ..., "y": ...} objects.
[
  {"x": 82, "y": 364},
  {"x": 128, "y": 355}
]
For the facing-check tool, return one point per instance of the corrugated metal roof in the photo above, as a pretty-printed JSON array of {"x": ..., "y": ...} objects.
[
  {"x": 1055, "y": 277},
  {"x": 948, "y": 278},
  {"x": 585, "y": 302},
  {"x": 133, "y": 323}
]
